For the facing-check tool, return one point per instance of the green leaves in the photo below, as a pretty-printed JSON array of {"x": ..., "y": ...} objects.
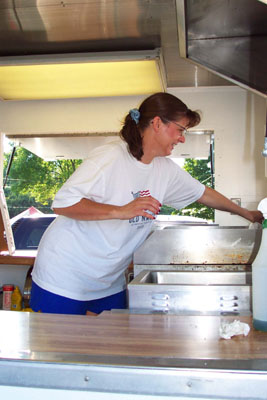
[
  {"x": 199, "y": 169},
  {"x": 33, "y": 181}
]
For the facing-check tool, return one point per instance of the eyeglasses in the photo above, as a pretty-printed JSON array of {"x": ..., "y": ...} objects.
[{"x": 183, "y": 129}]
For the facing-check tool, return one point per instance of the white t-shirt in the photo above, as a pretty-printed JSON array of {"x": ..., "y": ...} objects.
[{"x": 86, "y": 260}]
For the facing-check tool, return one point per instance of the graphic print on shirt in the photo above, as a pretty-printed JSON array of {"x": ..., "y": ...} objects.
[{"x": 141, "y": 220}]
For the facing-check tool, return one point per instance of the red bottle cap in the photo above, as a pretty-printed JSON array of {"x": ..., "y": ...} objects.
[{"x": 8, "y": 288}]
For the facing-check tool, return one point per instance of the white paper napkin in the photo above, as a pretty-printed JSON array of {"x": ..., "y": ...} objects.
[{"x": 229, "y": 329}]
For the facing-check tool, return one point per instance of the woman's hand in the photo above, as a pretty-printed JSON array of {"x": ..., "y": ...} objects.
[
  {"x": 142, "y": 206},
  {"x": 255, "y": 216}
]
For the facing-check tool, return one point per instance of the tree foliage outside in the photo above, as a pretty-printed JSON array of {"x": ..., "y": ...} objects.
[
  {"x": 33, "y": 181},
  {"x": 200, "y": 170}
]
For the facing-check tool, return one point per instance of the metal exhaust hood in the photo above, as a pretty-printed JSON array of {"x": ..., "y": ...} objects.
[
  {"x": 223, "y": 40},
  {"x": 227, "y": 37}
]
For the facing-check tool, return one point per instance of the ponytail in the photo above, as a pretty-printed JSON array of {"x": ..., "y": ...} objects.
[
  {"x": 164, "y": 105},
  {"x": 131, "y": 134}
]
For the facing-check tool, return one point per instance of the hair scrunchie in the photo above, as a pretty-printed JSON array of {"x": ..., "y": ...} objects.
[{"x": 135, "y": 115}]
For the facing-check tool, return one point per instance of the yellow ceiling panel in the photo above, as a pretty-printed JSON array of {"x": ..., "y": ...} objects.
[{"x": 79, "y": 80}]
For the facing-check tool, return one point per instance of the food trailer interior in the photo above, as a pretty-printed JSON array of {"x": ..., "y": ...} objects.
[{"x": 210, "y": 54}]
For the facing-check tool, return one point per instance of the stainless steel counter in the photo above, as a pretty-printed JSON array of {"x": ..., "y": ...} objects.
[{"x": 131, "y": 355}]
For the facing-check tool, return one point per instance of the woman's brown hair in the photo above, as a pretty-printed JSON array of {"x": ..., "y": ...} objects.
[{"x": 164, "y": 105}]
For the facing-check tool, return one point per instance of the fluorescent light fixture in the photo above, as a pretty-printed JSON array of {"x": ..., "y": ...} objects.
[{"x": 81, "y": 75}]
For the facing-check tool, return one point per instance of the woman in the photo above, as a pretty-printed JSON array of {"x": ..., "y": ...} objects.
[{"x": 107, "y": 207}]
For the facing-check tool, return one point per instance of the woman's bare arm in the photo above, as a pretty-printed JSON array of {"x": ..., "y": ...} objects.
[
  {"x": 214, "y": 199},
  {"x": 88, "y": 210}
]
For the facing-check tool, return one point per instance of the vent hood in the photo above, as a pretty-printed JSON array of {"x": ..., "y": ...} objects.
[
  {"x": 203, "y": 43},
  {"x": 228, "y": 38}
]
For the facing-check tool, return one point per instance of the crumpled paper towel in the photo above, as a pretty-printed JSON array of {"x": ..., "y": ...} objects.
[{"x": 229, "y": 329}]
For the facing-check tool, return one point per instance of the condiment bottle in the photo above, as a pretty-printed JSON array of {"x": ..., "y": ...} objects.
[
  {"x": 7, "y": 293},
  {"x": 16, "y": 300},
  {"x": 259, "y": 277}
]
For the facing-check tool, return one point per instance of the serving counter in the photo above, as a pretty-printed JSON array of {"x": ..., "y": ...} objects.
[
  {"x": 188, "y": 280},
  {"x": 160, "y": 356}
]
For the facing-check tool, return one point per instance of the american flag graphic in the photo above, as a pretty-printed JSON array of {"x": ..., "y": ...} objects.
[
  {"x": 144, "y": 193},
  {"x": 141, "y": 193}
]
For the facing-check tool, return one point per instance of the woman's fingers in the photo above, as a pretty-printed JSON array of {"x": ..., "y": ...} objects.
[
  {"x": 256, "y": 216},
  {"x": 142, "y": 206}
]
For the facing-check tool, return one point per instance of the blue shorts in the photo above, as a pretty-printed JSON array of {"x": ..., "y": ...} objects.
[{"x": 47, "y": 302}]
